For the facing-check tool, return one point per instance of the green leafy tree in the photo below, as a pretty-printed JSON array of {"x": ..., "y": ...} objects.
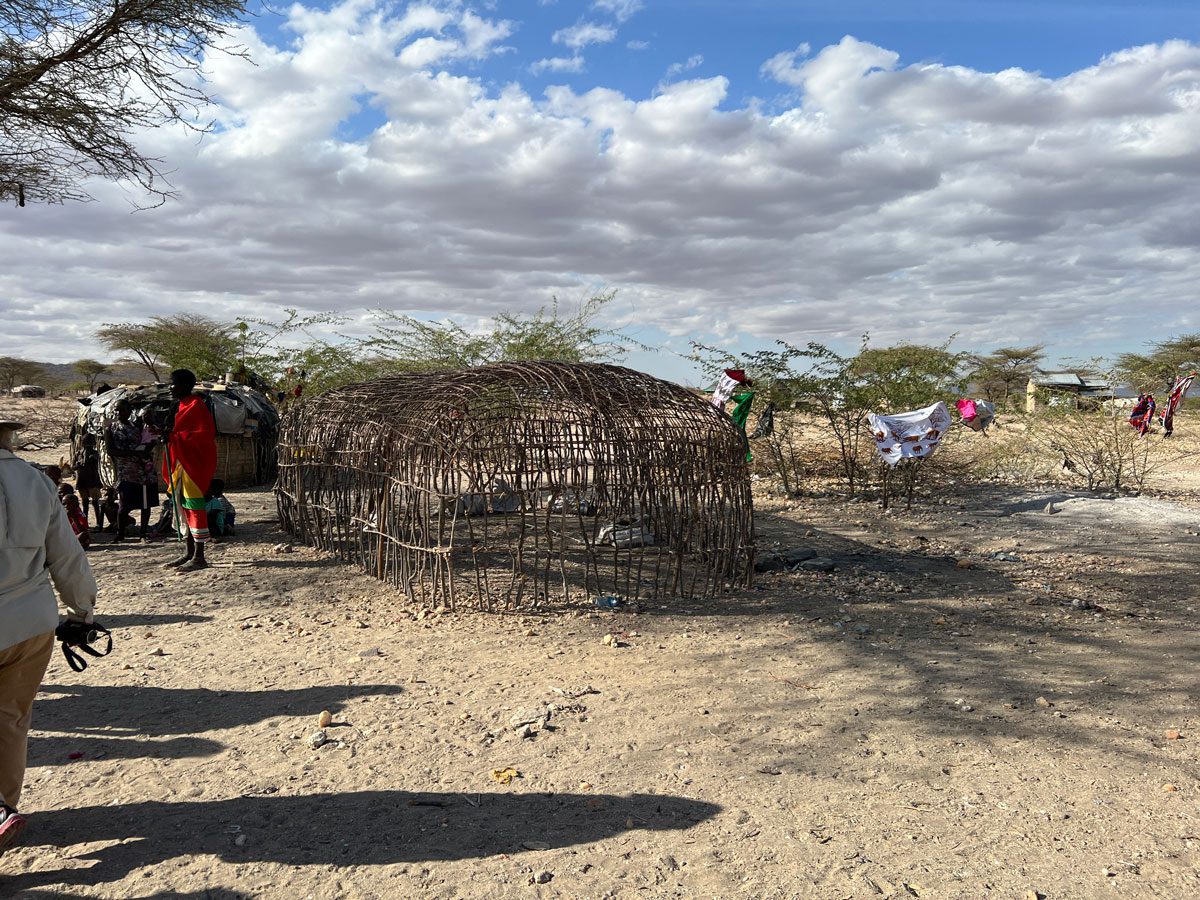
[
  {"x": 182, "y": 341},
  {"x": 91, "y": 371},
  {"x": 1005, "y": 372},
  {"x": 1157, "y": 369},
  {"x": 405, "y": 344},
  {"x": 80, "y": 80},
  {"x": 15, "y": 371}
]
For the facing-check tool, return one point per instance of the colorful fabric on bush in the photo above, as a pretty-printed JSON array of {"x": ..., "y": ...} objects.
[
  {"x": 1142, "y": 417},
  {"x": 1178, "y": 392},
  {"x": 910, "y": 435}
]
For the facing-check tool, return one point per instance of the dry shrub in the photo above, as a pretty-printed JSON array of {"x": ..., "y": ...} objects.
[
  {"x": 47, "y": 421},
  {"x": 1100, "y": 449}
]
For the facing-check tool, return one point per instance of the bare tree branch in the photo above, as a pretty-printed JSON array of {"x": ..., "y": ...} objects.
[{"x": 77, "y": 80}]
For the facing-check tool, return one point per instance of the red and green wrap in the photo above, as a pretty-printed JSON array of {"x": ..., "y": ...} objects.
[{"x": 190, "y": 463}]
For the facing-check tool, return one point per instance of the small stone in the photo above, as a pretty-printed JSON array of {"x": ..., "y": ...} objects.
[
  {"x": 964, "y": 564},
  {"x": 1043, "y": 702},
  {"x": 240, "y": 840},
  {"x": 819, "y": 564},
  {"x": 359, "y": 624},
  {"x": 610, "y": 641},
  {"x": 585, "y": 785},
  {"x": 318, "y": 739},
  {"x": 1173, "y": 734},
  {"x": 158, "y": 651},
  {"x": 529, "y": 632},
  {"x": 769, "y": 562},
  {"x": 1032, "y": 895},
  {"x": 1169, "y": 788},
  {"x": 544, "y": 877},
  {"x": 325, "y": 719},
  {"x": 798, "y": 555}
]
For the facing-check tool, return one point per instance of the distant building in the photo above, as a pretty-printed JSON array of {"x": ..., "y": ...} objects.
[{"x": 1071, "y": 387}]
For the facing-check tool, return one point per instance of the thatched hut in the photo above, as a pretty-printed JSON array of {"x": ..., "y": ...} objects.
[
  {"x": 515, "y": 483},
  {"x": 247, "y": 426}
]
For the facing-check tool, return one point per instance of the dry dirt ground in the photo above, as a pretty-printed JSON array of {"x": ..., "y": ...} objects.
[{"x": 900, "y": 727}]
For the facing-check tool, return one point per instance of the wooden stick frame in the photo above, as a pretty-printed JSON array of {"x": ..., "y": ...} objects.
[{"x": 515, "y": 485}]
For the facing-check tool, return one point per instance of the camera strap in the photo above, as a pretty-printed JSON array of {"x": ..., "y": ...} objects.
[{"x": 77, "y": 662}]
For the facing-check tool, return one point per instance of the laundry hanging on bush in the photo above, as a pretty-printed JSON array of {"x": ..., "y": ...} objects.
[
  {"x": 1178, "y": 392},
  {"x": 766, "y": 423},
  {"x": 976, "y": 414},
  {"x": 727, "y": 384},
  {"x": 910, "y": 435},
  {"x": 1142, "y": 417}
]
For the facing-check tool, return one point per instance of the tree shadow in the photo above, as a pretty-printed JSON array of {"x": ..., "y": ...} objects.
[
  {"x": 111, "y": 710},
  {"x": 342, "y": 829},
  {"x": 962, "y": 654}
]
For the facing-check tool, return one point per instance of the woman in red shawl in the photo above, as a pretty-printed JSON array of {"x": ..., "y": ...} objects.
[{"x": 189, "y": 464}]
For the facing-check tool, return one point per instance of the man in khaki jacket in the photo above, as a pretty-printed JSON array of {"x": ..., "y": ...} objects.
[{"x": 37, "y": 547}]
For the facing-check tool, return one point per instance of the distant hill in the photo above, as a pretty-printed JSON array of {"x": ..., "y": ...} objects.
[{"x": 61, "y": 376}]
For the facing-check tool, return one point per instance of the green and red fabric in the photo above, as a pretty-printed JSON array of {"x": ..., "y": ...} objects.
[
  {"x": 741, "y": 412},
  {"x": 190, "y": 463}
]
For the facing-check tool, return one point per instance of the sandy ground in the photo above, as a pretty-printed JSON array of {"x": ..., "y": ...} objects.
[{"x": 908, "y": 725}]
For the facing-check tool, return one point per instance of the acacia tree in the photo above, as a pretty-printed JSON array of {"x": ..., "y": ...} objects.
[
  {"x": 1158, "y": 367},
  {"x": 182, "y": 341},
  {"x": 78, "y": 79},
  {"x": 1000, "y": 372},
  {"x": 91, "y": 371},
  {"x": 14, "y": 371},
  {"x": 404, "y": 343}
]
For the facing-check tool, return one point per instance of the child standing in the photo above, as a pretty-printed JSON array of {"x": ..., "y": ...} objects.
[
  {"x": 87, "y": 478},
  {"x": 79, "y": 524}
]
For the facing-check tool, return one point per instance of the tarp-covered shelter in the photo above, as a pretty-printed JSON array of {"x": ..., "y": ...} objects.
[
  {"x": 516, "y": 483},
  {"x": 247, "y": 426}
]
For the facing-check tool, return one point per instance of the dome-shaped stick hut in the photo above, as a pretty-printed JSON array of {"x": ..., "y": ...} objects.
[{"x": 513, "y": 483}]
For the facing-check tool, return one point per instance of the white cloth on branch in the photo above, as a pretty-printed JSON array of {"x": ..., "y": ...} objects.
[
  {"x": 910, "y": 435},
  {"x": 725, "y": 388}
]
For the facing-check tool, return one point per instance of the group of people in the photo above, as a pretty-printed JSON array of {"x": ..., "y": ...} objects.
[{"x": 40, "y": 552}]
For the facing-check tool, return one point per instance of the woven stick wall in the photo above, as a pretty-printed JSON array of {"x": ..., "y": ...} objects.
[{"x": 516, "y": 483}]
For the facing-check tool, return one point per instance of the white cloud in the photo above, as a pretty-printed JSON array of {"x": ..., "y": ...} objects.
[
  {"x": 911, "y": 201},
  {"x": 558, "y": 64},
  {"x": 783, "y": 67},
  {"x": 679, "y": 68},
  {"x": 621, "y": 9},
  {"x": 584, "y": 33},
  {"x": 638, "y": 45}
]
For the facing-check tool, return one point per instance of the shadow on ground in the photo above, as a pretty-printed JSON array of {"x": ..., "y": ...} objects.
[
  {"x": 106, "y": 709},
  {"x": 343, "y": 829}
]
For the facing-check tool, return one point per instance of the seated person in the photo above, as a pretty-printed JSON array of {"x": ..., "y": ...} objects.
[
  {"x": 165, "y": 526},
  {"x": 220, "y": 511}
]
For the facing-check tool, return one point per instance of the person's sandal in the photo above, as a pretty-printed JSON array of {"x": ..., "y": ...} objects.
[{"x": 12, "y": 824}]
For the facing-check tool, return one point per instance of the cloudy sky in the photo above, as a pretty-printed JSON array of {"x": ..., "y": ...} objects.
[{"x": 1008, "y": 170}]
